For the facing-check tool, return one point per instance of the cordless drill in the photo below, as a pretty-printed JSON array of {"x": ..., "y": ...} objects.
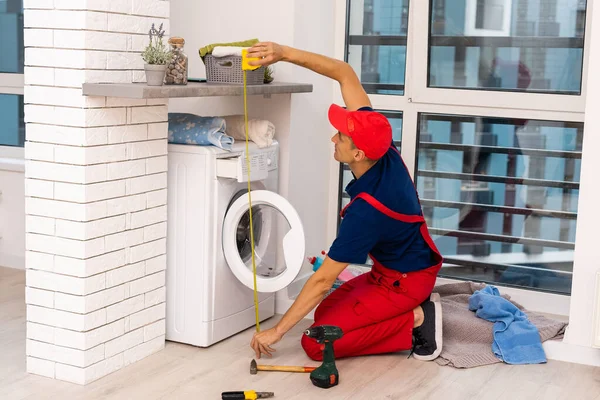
[{"x": 326, "y": 375}]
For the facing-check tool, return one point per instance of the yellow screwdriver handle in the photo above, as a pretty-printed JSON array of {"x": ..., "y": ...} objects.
[
  {"x": 250, "y": 395},
  {"x": 245, "y": 59}
]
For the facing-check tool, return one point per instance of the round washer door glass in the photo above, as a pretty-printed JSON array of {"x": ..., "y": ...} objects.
[{"x": 279, "y": 242}]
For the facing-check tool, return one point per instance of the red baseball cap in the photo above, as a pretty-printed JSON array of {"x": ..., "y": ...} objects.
[{"x": 370, "y": 131}]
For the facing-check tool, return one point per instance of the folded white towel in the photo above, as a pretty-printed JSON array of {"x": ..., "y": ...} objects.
[
  {"x": 260, "y": 131},
  {"x": 224, "y": 51}
]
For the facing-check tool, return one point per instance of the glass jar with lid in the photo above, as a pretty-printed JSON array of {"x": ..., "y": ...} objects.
[{"x": 177, "y": 69}]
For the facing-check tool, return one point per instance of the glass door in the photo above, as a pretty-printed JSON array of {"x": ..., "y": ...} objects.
[{"x": 279, "y": 242}]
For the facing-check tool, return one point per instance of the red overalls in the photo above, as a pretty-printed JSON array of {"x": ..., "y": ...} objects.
[{"x": 375, "y": 310}]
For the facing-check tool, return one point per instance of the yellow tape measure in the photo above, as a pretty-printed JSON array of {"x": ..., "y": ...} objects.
[{"x": 246, "y": 67}]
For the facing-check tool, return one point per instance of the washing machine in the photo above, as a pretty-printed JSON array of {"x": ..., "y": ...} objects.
[{"x": 209, "y": 258}]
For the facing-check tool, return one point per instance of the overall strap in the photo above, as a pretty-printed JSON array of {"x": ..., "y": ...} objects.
[
  {"x": 403, "y": 218},
  {"x": 411, "y": 219}
]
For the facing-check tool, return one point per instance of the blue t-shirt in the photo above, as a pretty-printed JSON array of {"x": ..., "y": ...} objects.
[{"x": 395, "y": 244}]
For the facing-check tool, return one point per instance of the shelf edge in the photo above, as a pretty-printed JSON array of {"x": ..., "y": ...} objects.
[{"x": 143, "y": 91}]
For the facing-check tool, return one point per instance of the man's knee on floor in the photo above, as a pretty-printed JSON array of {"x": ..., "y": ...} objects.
[{"x": 311, "y": 348}]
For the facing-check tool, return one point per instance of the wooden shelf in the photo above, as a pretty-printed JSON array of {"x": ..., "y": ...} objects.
[{"x": 192, "y": 89}]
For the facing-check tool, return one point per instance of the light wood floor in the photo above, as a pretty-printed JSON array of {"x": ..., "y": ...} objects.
[{"x": 185, "y": 372}]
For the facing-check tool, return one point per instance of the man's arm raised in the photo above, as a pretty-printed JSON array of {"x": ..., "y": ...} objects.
[{"x": 353, "y": 93}]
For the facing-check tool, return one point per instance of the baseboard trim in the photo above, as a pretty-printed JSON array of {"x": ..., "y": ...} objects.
[{"x": 559, "y": 350}]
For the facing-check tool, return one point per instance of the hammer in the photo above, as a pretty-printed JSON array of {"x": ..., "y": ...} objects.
[{"x": 254, "y": 368}]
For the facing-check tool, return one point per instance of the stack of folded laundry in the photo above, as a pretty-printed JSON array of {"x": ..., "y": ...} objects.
[
  {"x": 218, "y": 131},
  {"x": 226, "y": 49}
]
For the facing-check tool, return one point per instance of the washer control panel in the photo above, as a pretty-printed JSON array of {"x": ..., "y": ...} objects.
[
  {"x": 235, "y": 165},
  {"x": 272, "y": 159}
]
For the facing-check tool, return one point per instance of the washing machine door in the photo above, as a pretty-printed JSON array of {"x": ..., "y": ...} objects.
[{"x": 279, "y": 243}]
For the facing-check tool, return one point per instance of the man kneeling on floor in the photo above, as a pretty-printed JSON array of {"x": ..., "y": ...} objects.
[{"x": 391, "y": 308}]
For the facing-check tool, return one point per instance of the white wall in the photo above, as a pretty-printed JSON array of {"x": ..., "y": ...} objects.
[
  {"x": 12, "y": 215},
  {"x": 305, "y": 147},
  {"x": 312, "y": 150},
  {"x": 584, "y": 291}
]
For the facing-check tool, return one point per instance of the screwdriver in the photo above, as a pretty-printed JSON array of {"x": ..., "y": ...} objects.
[{"x": 247, "y": 395}]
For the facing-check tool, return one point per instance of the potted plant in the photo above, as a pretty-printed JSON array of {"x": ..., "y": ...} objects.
[{"x": 157, "y": 56}]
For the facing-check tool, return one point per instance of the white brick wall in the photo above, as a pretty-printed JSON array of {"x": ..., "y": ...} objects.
[
  {"x": 44, "y": 298},
  {"x": 143, "y": 350},
  {"x": 125, "y": 274},
  {"x": 96, "y": 176},
  {"x": 65, "y": 355},
  {"x": 40, "y": 367},
  {"x": 122, "y": 343},
  {"x": 84, "y": 376},
  {"x": 66, "y": 320},
  {"x": 156, "y": 198},
  {"x": 155, "y": 297}
]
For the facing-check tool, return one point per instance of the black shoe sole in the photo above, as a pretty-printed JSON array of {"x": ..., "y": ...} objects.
[{"x": 435, "y": 299}]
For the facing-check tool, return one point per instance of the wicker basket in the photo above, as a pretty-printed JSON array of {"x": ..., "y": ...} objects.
[{"x": 229, "y": 70}]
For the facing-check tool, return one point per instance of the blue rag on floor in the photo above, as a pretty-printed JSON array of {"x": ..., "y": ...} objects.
[
  {"x": 194, "y": 129},
  {"x": 516, "y": 340}
]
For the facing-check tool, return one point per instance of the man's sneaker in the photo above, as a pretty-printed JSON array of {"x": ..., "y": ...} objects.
[{"x": 427, "y": 338}]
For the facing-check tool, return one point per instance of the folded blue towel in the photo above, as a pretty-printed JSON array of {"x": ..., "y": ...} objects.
[
  {"x": 194, "y": 129},
  {"x": 516, "y": 340}
]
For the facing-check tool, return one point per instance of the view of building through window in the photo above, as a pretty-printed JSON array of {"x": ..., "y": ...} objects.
[
  {"x": 12, "y": 127},
  {"x": 12, "y": 120},
  {"x": 499, "y": 194},
  {"x": 376, "y": 45},
  {"x": 520, "y": 45}
]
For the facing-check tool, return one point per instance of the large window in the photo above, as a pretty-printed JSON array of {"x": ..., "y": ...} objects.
[
  {"x": 520, "y": 45},
  {"x": 491, "y": 101},
  {"x": 12, "y": 128},
  {"x": 12, "y": 125},
  {"x": 376, "y": 45},
  {"x": 500, "y": 197}
]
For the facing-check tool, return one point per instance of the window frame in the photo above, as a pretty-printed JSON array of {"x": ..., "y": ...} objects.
[
  {"x": 419, "y": 92},
  {"x": 419, "y": 98},
  {"x": 498, "y": 261},
  {"x": 12, "y": 83}
]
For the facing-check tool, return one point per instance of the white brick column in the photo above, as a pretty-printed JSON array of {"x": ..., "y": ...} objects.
[{"x": 95, "y": 190}]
